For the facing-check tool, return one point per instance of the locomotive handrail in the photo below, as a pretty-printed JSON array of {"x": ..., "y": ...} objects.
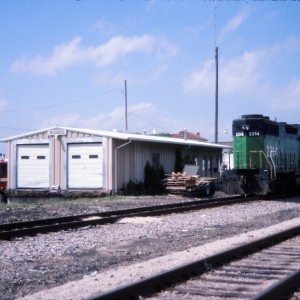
[
  {"x": 272, "y": 167},
  {"x": 273, "y": 163},
  {"x": 238, "y": 158}
]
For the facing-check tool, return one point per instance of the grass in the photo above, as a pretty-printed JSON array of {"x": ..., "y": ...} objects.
[{"x": 4, "y": 206}]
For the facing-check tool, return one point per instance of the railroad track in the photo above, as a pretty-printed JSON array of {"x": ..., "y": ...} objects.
[
  {"x": 30, "y": 228},
  {"x": 268, "y": 268}
]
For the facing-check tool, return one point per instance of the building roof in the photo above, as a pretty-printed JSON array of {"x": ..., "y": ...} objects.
[
  {"x": 123, "y": 136},
  {"x": 189, "y": 135}
]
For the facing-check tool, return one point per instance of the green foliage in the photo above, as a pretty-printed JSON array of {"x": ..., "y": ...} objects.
[
  {"x": 164, "y": 134},
  {"x": 152, "y": 184},
  {"x": 178, "y": 161},
  {"x": 153, "y": 179},
  {"x": 133, "y": 188},
  {"x": 149, "y": 176}
]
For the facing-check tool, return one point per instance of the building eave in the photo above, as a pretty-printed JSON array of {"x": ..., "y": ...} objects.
[{"x": 122, "y": 136}]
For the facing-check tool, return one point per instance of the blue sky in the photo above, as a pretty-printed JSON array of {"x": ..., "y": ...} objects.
[{"x": 65, "y": 62}]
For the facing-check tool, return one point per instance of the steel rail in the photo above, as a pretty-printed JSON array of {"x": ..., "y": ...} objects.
[
  {"x": 156, "y": 283},
  {"x": 14, "y": 230},
  {"x": 30, "y": 228},
  {"x": 17, "y": 225},
  {"x": 281, "y": 289},
  {"x": 122, "y": 212}
]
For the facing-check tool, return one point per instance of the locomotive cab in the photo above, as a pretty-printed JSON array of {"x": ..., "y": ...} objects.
[{"x": 265, "y": 152}]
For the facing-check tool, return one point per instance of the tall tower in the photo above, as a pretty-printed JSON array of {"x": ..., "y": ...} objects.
[{"x": 216, "y": 99}]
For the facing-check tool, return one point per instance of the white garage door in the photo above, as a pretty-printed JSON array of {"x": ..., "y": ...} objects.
[
  {"x": 85, "y": 166},
  {"x": 33, "y": 166}
]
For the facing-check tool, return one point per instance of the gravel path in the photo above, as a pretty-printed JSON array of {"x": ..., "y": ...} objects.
[{"x": 39, "y": 263}]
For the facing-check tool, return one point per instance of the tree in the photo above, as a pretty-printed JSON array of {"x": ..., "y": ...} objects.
[{"x": 178, "y": 161}]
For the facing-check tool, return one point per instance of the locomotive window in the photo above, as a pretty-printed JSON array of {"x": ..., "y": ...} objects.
[
  {"x": 41, "y": 157},
  {"x": 93, "y": 156},
  {"x": 25, "y": 157},
  {"x": 76, "y": 156}
]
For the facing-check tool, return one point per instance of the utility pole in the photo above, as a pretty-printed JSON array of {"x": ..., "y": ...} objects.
[
  {"x": 126, "y": 115},
  {"x": 216, "y": 99}
]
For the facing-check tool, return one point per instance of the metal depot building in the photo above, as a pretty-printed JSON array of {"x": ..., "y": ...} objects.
[{"x": 65, "y": 158}]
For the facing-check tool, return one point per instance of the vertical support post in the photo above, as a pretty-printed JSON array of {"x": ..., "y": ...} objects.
[
  {"x": 126, "y": 115},
  {"x": 216, "y": 99},
  {"x": 260, "y": 159},
  {"x": 116, "y": 164}
]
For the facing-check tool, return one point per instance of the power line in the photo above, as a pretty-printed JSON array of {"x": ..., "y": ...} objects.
[
  {"x": 154, "y": 124},
  {"x": 58, "y": 104},
  {"x": 13, "y": 128}
]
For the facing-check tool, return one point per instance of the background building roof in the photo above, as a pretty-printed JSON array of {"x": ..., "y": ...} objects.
[{"x": 124, "y": 136}]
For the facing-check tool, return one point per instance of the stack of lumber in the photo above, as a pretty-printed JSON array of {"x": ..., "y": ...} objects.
[{"x": 188, "y": 185}]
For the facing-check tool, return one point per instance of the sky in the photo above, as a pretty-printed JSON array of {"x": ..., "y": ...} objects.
[{"x": 65, "y": 62}]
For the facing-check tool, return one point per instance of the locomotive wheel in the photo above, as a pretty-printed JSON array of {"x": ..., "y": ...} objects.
[{"x": 207, "y": 190}]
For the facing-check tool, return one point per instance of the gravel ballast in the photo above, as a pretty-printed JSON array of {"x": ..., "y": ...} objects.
[
  {"x": 40, "y": 263},
  {"x": 96, "y": 283},
  {"x": 18, "y": 212}
]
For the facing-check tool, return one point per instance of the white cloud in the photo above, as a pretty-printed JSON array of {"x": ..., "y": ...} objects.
[
  {"x": 111, "y": 78},
  {"x": 68, "y": 119},
  {"x": 150, "y": 5},
  {"x": 105, "y": 28},
  {"x": 164, "y": 50},
  {"x": 290, "y": 44},
  {"x": 233, "y": 24},
  {"x": 141, "y": 116},
  {"x": 63, "y": 56},
  {"x": 136, "y": 77},
  {"x": 157, "y": 72},
  {"x": 242, "y": 73},
  {"x": 237, "y": 74},
  {"x": 3, "y": 104},
  {"x": 138, "y": 116},
  {"x": 287, "y": 98},
  {"x": 114, "y": 119},
  {"x": 72, "y": 53},
  {"x": 117, "y": 47},
  {"x": 201, "y": 80},
  {"x": 142, "y": 106},
  {"x": 249, "y": 76}
]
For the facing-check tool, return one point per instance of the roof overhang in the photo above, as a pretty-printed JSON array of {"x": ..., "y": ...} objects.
[{"x": 122, "y": 136}]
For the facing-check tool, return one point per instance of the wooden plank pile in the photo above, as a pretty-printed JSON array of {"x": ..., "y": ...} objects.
[{"x": 189, "y": 185}]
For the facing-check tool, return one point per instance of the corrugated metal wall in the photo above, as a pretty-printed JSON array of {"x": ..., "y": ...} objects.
[
  {"x": 123, "y": 160},
  {"x": 132, "y": 158}
]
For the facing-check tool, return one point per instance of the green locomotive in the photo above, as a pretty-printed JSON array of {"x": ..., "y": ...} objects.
[{"x": 266, "y": 157}]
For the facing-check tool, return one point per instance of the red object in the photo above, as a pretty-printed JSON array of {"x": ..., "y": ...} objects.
[{"x": 3, "y": 175}]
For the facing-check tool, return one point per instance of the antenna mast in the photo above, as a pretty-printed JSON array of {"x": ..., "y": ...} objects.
[
  {"x": 217, "y": 80},
  {"x": 216, "y": 99},
  {"x": 126, "y": 115}
]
